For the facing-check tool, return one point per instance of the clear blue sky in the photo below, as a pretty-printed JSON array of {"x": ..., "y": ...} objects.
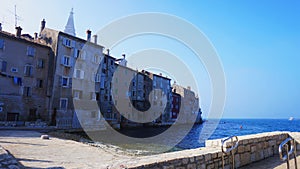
[{"x": 258, "y": 43}]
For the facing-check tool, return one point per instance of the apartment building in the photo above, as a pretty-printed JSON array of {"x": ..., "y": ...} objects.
[
  {"x": 25, "y": 77},
  {"x": 77, "y": 79}
]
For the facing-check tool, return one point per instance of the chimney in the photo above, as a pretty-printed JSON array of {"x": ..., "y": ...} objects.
[
  {"x": 107, "y": 51},
  {"x": 123, "y": 55},
  {"x": 43, "y": 24},
  {"x": 18, "y": 31},
  {"x": 35, "y": 36},
  {"x": 95, "y": 38},
  {"x": 0, "y": 26},
  {"x": 88, "y": 35}
]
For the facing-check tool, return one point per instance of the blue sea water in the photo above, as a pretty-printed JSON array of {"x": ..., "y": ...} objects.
[{"x": 238, "y": 127}]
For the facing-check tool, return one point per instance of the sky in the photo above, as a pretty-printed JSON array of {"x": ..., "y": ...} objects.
[{"x": 257, "y": 42}]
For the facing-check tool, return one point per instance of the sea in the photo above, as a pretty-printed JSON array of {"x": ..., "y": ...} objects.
[
  {"x": 237, "y": 127},
  {"x": 187, "y": 137}
]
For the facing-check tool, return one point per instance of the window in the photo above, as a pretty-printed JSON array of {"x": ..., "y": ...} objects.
[
  {"x": 133, "y": 93},
  {"x": 96, "y": 59},
  {"x": 103, "y": 70},
  {"x": 76, "y": 53},
  {"x": 27, "y": 92},
  {"x": 30, "y": 51},
  {"x": 65, "y": 60},
  {"x": 67, "y": 42},
  {"x": 63, "y": 103},
  {"x": 39, "y": 83},
  {"x": 1, "y": 44},
  {"x": 111, "y": 62},
  {"x": 133, "y": 83},
  {"x": 65, "y": 81},
  {"x": 105, "y": 98},
  {"x": 93, "y": 96},
  {"x": 77, "y": 94},
  {"x": 14, "y": 70},
  {"x": 97, "y": 77},
  {"x": 28, "y": 70},
  {"x": 82, "y": 55},
  {"x": 40, "y": 63},
  {"x": 79, "y": 74},
  {"x": 105, "y": 60},
  {"x": 3, "y": 65}
]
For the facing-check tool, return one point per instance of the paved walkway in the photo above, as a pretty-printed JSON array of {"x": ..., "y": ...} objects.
[
  {"x": 33, "y": 152},
  {"x": 274, "y": 163}
]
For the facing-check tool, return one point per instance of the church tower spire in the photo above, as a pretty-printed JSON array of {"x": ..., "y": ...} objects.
[{"x": 69, "y": 28}]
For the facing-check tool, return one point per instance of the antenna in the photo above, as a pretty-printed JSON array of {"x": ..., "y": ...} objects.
[{"x": 16, "y": 16}]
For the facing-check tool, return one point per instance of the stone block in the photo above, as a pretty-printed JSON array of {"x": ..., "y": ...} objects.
[
  {"x": 180, "y": 168},
  {"x": 253, "y": 149},
  {"x": 207, "y": 157},
  {"x": 252, "y": 157},
  {"x": 185, "y": 161},
  {"x": 168, "y": 167},
  {"x": 215, "y": 155},
  {"x": 210, "y": 166},
  {"x": 266, "y": 153},
  {"x": 227, "y": 167},
  {"x": 220, "y": 155},
  {"x": 199, "y": 158},
  {"x": 266, "y": 145},
  {"x": 259, "y": 146},
  {"x": 247, "y": 148},
  {"x": 259, "y": 155},
  {"x": 191, "y": 166},
  {"x": 241, "y": 149},
  {"x": 246, "y": 141},
  {"x": 192, "y": 159},
  {"x": 245, "y": 159},
  {"x": 272, "y": 142},
  {"x": 298, "y": 147},
  {"x": 237, "y": 160}
]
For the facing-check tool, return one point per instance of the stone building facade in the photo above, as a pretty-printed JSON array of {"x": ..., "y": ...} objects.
[
  {"x": 76, "y": 74},
  {"x": 25, "y": 77},
  {"x": 190, "y": 111}
]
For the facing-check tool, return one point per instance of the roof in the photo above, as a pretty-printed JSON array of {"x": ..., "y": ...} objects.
[
  {"x": 72, "y": 37},
  {"x": 24, "y": 38},
  {"x": 161, "y": 76}
]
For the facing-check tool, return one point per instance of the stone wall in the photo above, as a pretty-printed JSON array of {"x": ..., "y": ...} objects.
[{"x": 251, "y": 148}]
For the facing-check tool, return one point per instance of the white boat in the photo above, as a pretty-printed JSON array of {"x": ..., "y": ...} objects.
[{"x": 291, "y": 118}]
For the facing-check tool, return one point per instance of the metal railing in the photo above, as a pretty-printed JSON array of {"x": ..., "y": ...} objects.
[
  {"x": 234, "y": 142},
  {"x": 289, "y": 145}
]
